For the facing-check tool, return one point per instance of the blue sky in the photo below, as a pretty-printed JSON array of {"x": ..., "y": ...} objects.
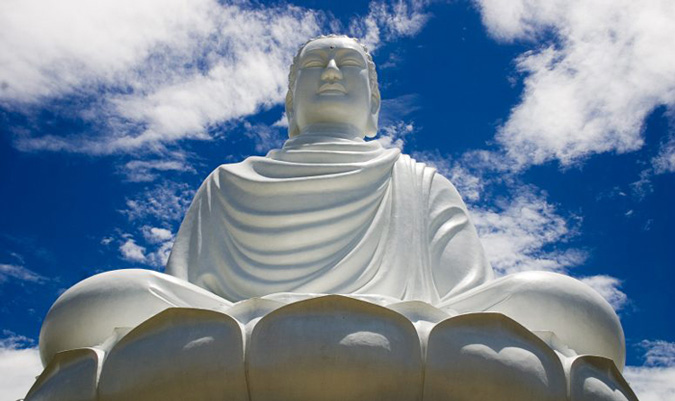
[{"x": 553, "y": 118}]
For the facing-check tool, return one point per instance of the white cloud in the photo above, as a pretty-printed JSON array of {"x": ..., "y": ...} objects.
[
  {"x": 518, "y": 232},
  {"x": 655, "y": 381},
  {"x": 612, "y": 64},
  {"x": 166, "y": 202},
  {"x": 608, "y": 287},
  {"x": 163, "y": 70},
  {"x": 658, "y": 353},
  {"x": 392, "y": 110},
  {"x": 162, "y": 239},
  {"x": 54, "y": 47},
  {"x": 282, "y": 122},
  {"x": 651, "y": 384},
  {"x": 160, "y": 256},
  {"x": 157, "y": 208},
  {"x": 474, "y": 173},
  {"x": 390, "y": 20},
  {"x": 147, "y": 170},
  {"x": 16, "y": 272},
  {"x": 400, "y": 18},
  {"x": 156, "y": 235},
  {"x": 664, "y": 161},
  {"x": 394, "y": 130},
  {"x": 395, "y": 135},
  {"x": 265, "y": 137},
  {"x": 19, "y": 366},
  {"x": 158, "y": 241},
  {"x": 132, "y": 251}
]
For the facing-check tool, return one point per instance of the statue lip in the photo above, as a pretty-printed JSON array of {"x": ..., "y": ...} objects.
[{"x": 332, "y": 88}]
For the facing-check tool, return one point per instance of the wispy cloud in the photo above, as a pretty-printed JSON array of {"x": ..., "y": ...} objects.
[
  {"x": 608, "y": 287},
  {"x": 394, "y": 128},
  {"x": 19, "y": 365},
  {"x": 162, "y": 71},
  {"x": 655, "y": 380},
  {"x": 132, "y": 251},
  {"x": 526, "y": 233},
  {"x": 156, "y": 235},
  {"x": 19, "y": 273},
  {"x": 609, "y": 66},
  {"x": 159, "y": 242},
  {"x": 266, "y": 137},
  {"x": 165, "y": 202},
  {"x": 520, "y": 229},
  {"x": 149, "y": 170},
  {"x": 396, "y": 134},
  {"x": 157, "y": 209},
  {"x": 390, "y": 20},
  {"x": 393, "y": 109},
  {"x": 664, "y": 161},
  {"x": 658, "y": 353},
  {"x": 148, "y": 74}
]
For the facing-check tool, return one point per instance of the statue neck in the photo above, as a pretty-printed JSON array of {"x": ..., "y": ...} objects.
[{"x": 337, "y": 130}]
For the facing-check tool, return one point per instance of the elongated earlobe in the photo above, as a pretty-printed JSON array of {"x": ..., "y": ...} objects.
[
  {"x": 292, "y": 126},
  {"x": 371, "y": 128}
]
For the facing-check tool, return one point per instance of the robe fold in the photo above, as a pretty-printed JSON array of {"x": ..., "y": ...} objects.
[{"x": 326, "y": 214}]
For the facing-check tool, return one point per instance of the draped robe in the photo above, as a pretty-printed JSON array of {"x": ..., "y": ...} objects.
[{"x": 327, "y": 214}]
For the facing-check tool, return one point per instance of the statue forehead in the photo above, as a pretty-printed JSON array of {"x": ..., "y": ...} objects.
[{"x": 328, "y": 44}]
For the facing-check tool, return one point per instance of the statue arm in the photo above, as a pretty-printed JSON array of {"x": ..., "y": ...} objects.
[
  {"x": 190, "y": 246},
  {"x": 456, "y": 255}
]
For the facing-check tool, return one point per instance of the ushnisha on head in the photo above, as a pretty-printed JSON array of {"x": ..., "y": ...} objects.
[{"x": 332, "y": 85}]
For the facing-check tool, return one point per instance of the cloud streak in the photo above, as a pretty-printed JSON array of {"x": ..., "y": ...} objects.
[
  {"x": 655, "y": 380},
  {"x": 608, "y": 287},
  {"x": 20, "y": 273},
  {"x": 19, "y": 365},
  {"x": 162, "y": 71},
  {"x": 166, "y": 202},
  {"x": 149, "y": 74},
  {"x": 589, "y": 90}
]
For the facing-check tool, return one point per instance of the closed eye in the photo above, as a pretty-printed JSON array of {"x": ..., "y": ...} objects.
[
  {"x": 312, "y": 64},
  {"x": 350, "y": 62}
]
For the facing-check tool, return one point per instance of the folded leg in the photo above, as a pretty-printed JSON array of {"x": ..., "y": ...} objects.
[
  {"x": 89, "y": 312},
  {"x": 543, "y": 301}
]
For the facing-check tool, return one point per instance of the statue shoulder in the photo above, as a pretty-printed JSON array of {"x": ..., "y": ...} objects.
[
  {"x": 228, "y": 170},
  {"x": 440, "y": 187}
]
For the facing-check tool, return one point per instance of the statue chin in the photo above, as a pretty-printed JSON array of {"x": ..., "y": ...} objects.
[{"x": 331, "y": 269}]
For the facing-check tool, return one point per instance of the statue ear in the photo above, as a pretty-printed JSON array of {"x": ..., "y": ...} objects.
[
  {"x": 371, "y": 129},
  {"x": 292, "y": 126}
]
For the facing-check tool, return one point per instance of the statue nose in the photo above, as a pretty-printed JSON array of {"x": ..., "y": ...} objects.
[{"x": 331, "y": 72}]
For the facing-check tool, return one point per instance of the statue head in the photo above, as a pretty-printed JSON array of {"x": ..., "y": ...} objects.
[{"x": 333, "y": 81}]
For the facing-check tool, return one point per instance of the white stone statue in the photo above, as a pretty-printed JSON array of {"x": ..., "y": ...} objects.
[{"x": 266, "y": 240}]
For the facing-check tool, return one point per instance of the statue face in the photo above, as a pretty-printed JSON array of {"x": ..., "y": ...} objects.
[{"x": 332, "y": 85}]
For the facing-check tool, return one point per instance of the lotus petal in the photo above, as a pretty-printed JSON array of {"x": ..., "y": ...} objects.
[
  {"x": 71, "y": 375},
  {"x": 423, "y": 316},
  {"x": 179, "y": 354},
  {"x": 250, "y": 311},
  {"x": 594, "y": 378},
  {"x": 488, "y": 356},
  {"x": 334, "y": 348}
]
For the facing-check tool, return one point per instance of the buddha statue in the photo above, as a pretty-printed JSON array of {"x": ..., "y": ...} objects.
[{"x": 332, "y": 213}]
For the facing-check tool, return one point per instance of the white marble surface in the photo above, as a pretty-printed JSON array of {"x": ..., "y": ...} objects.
[
  {"x": 329, "y": 348},
  {"x": 246, "y": 312},
  {"x": 329, "y": 215}
]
